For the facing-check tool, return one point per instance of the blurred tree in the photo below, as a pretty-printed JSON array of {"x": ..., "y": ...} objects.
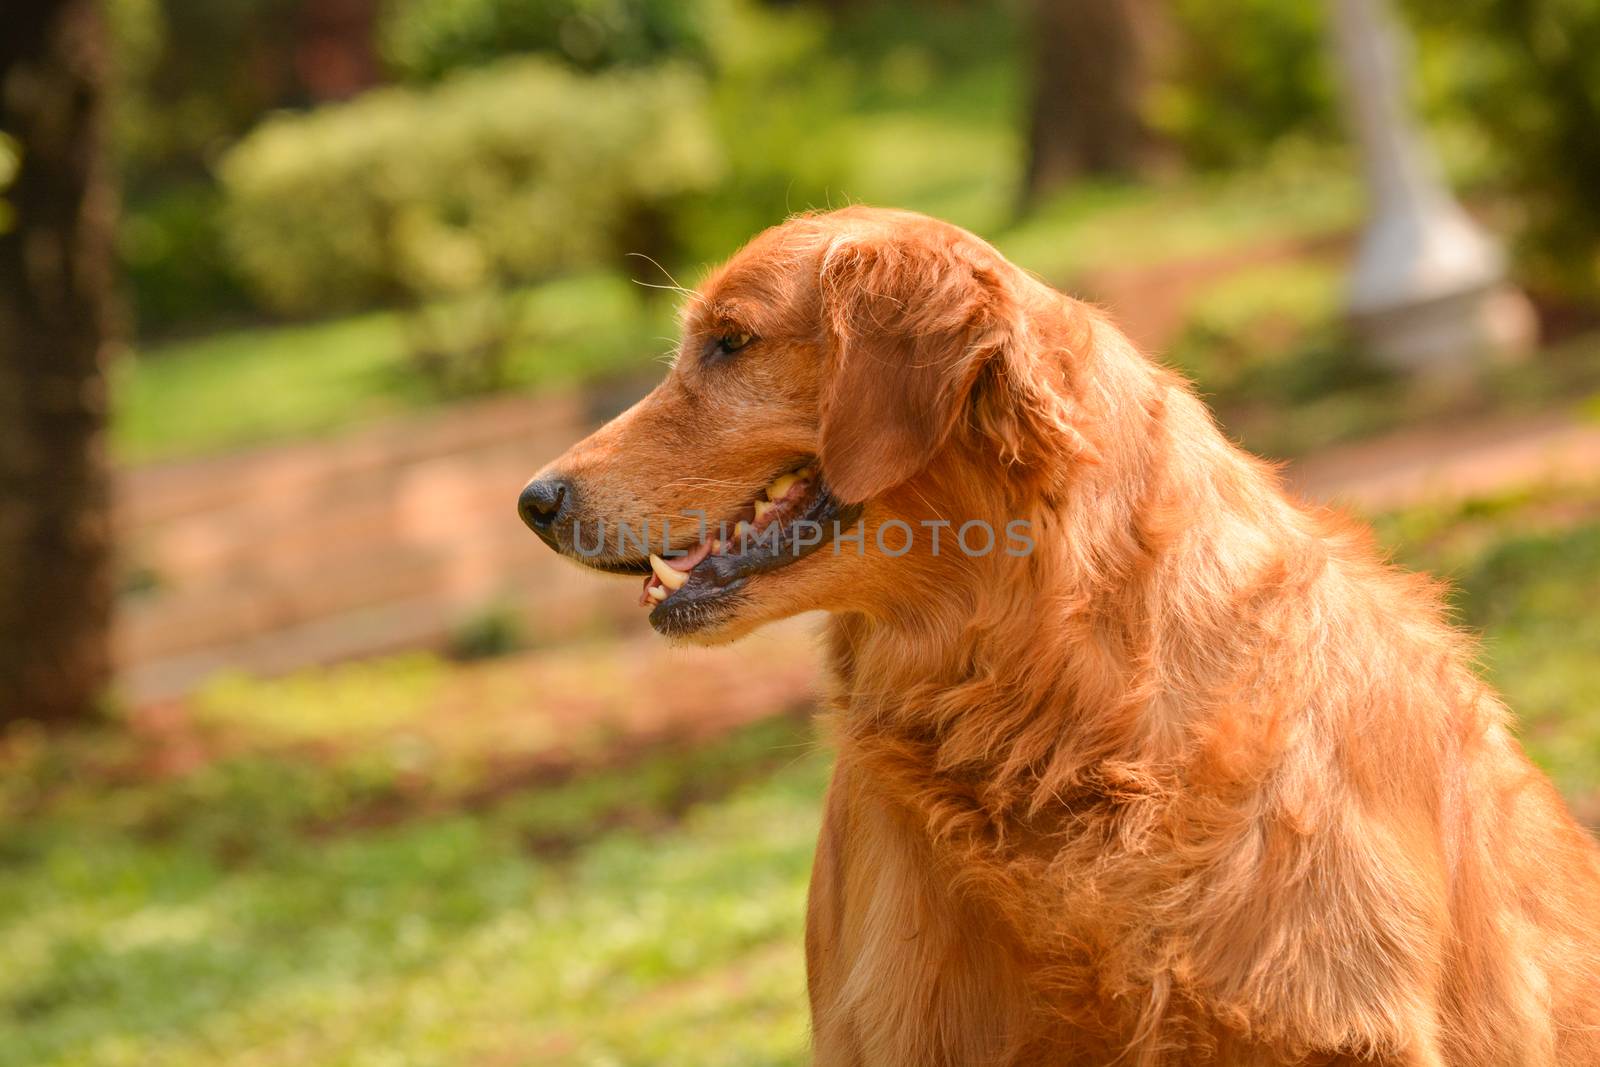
[
  {"x": 56, "y": 585},
  {"x": 1089, "y": 80}
]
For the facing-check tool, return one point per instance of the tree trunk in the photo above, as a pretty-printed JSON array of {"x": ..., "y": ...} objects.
[
  {"x": 1089, "y": 79},
  {"x": 56, "y": 567}
]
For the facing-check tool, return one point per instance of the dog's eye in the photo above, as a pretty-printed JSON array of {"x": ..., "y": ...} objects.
[
  {"x": 732, "y": 342},
  {"x": 726, "y": 344}
]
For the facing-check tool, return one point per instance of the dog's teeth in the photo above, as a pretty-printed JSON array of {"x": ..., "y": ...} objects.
[
  {"x": 742, "y": 530},
  {"x": 762, "y": 507},
  {"x": 672, "y": 579},
  {"x": 805, "y": 474},
  {"x": 658, "y": 593},
  {"x": 781, "y": 485},
  {"x": 717, "y": 547}
]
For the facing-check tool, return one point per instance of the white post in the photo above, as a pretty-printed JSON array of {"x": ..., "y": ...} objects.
[{"x": 1427, "y": 292}]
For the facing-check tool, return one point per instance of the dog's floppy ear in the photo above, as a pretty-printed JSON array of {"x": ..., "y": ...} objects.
[{"x": 913, "y": 320}]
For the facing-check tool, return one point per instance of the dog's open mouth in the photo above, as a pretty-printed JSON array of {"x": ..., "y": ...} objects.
[{"x": 791, "y": 518}]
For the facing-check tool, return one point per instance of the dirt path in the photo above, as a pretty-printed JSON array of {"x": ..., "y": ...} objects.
[
  {"x": 1152, "y": 302},
  {"x": 1452, "y": 462}
]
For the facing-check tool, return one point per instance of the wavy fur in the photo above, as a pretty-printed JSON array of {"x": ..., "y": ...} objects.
[{"x": 1202, "y": 780}]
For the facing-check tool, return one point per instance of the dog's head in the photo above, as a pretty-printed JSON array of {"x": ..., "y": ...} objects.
[{"x": 846, "y": 385}]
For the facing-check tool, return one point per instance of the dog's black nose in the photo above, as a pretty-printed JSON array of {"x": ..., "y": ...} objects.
[{"x": 542, "y": 502}]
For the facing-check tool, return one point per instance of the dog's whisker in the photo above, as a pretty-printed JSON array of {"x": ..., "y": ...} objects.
[{"x": 664, "y": 271}]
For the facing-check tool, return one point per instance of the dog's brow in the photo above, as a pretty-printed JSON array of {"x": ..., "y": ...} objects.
[
  {"x": 708, "y": 317},
  {"x": 729, "y": 311}
]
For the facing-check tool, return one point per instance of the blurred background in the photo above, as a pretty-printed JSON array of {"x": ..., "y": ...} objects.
[{"x": 311, "y": 754}]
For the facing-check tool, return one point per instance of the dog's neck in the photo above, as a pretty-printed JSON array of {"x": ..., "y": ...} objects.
[{"x": 1110, "y": 641}]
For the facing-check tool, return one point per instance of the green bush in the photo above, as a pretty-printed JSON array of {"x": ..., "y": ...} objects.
[
  {"x": 777, "y": 87},
  {"x": 496, "y": 629},
  {"x": 174, "y": 260},
  {"x": 777, "y": 99},
  {"x": 513, "y": 172},
  {"x": 1527, "y": 73},
  {"x": 425, "y": 39},
  {"x": 1246, "y": 74}
]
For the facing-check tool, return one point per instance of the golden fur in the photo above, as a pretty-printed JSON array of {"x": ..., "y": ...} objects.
[{"x": 1201, "y": 780}]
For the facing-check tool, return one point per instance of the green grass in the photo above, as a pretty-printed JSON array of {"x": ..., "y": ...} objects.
[
  {"x": 255, "y": 385},
  {"x": 203, "y": 920},
  {"x": 268, "y": 384},
  {"x": 1101, "y": 227},
  {"x": 345, "y": 700},
  {"x": 305, "y": 899},
  {"x": 1526, "y": 574}
]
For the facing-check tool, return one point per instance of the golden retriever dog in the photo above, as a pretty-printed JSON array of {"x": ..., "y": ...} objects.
[{"x": 1176, "y": 770}]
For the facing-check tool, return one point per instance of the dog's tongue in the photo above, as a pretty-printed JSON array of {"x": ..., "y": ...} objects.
[{"x": 681, "y": 565}]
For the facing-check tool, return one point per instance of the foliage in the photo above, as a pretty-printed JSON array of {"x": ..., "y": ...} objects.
[
  {"x": 426, "y": 39},
  {"x": 1245, "y": 75},
  {"x": 776, "y": 99},
  {"x": 174, "y": 259},
  {"x": 512, "y": 172},
  {"x": 495, "y": 630},
  {"x": 1273, "y": 339},
  {"x": 900, "y": 33},
  {"x": 776, "y": 92},
  {"x": 1263, "y": 341},
  {"x": 811, "y": 104},
  {"x": 1528, "y": 73},
  {"x": 179, "y": 90},
  {"x": 464, "y": 345},
  {"x": 193, "y": 76}
]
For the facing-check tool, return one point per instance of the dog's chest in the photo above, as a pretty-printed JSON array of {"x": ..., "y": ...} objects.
[{"x": 905, "y": 966}]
